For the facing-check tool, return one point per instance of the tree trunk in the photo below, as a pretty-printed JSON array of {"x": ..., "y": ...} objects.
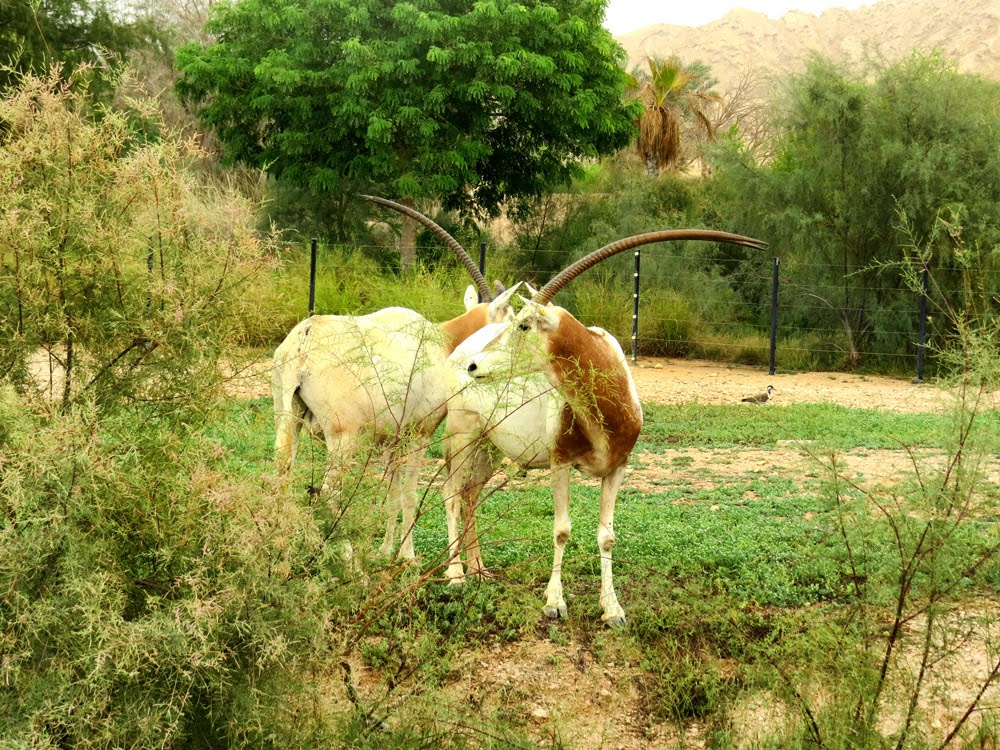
[
  {"x": 408, "y": 239},
  {"x": 855, "y": 355}
]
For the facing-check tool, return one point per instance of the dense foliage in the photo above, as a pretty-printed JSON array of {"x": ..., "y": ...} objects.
[
  {"x": 121, "y": 271},
  {"x": 150, "y": 599},
  {"x": 476, "y": 104},
  {"x": 34, "y": 36},
  {"x": 870, "y": 164}
]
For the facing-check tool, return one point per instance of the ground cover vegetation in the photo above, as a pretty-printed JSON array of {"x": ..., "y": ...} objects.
[
  {"x": 836, "y": 595},
  {"x": 160, "y": 588}
]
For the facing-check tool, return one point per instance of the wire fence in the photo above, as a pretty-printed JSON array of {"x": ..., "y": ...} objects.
[{"x": 795, "y": 316}]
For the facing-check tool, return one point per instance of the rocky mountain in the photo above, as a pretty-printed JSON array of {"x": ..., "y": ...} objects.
[{"x": 967, "y": 31}]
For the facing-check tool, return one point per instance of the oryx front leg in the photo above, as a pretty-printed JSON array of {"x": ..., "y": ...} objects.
[
  {"x": 555, "y": 604},
  {"x": 613, "y": 615}
]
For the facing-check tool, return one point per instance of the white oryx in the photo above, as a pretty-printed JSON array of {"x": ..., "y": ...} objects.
[
  {"x": 578, "y": 410},
  {"x": 382, "y": 376}
]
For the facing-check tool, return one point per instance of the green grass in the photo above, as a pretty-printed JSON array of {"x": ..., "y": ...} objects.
[
  {"x": 834, "y": 426},
  {"x": 735, "y": 584},
  {"x": 245, "y": 433},
  {"x": 765, "y": 551},
  {"x": 759, "y": 539}
]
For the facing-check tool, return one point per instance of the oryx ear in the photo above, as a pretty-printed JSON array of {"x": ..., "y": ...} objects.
[
  {"x": 498, "y": 287},
  {"x": 531, "y": 290},
  {"x": 471, "y": 297},
  {"x": 500, "y": 307}
]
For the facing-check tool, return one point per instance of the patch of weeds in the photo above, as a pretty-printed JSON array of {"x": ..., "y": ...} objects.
[
  {"x": 834, "y": 426},
  {"x": 557, "y": 636},
  {"x": 433, "y": 719},
  {"x": 700, "y": 653}
]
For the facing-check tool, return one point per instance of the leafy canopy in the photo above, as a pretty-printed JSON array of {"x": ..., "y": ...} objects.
[
  {"x": 475, "y": 103},
  {"x": 34, "y": 36}
]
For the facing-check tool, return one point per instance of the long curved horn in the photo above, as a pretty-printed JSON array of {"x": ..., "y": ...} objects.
[
  {"x": 470, "y": 265},
  {"x": 547, "y": 292}
]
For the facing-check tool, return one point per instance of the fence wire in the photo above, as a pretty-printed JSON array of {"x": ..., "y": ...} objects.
[{"x": 882, "y": 320}]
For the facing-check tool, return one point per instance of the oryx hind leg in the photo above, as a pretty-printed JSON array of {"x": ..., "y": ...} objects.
[
  {"x": 341, "y": 448},
  {"x": 614, "y": 614},
  {"x": 289, "y": 415},
  {"x": 404, "y": 473}
]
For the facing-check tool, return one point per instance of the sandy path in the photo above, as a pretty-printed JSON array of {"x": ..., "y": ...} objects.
[
  {"x": 682, "y": 381},
  {"x": 674, "y": 381}
]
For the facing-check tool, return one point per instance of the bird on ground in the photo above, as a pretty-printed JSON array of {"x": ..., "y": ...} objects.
[{"x": 760, "y": 398}]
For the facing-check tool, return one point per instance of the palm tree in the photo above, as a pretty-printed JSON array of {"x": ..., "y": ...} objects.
[{"x": 671, "y": 93}]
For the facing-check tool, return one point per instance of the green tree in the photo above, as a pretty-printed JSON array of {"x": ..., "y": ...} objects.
[
  {"x": 34, "y": 36},
  {"x": 857, "y": 151},
  {"x": 477, "y": 104},
  {"x": 671, "y": 93}
]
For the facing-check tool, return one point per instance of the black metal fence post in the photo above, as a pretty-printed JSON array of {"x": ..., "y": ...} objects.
[
  {"x": 922, "y": 340},
  {"x": 774, "y": 315},
  {"x": 482, "y": 263},
  {"x": 312, "y": 278},
  {"x": 635, "y": 310}
]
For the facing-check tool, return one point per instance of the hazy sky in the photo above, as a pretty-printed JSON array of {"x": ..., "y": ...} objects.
[{"x": 629, "y": 15}]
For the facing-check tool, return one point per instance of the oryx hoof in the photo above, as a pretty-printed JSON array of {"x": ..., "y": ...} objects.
[
  {"x": 615, "y": 622},
  {"x": 556, "y": 612},
  {"x": 457, "y": 581},
  {"x": 405, "y": 554}
]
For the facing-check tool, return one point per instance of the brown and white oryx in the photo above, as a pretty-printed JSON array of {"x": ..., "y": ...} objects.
[{"x": 547, "y": 392}]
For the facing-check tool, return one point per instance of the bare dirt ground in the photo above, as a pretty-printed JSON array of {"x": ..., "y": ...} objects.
[
  {"x": 693, "y": 381},
  {"x": 673, "y": 381}
]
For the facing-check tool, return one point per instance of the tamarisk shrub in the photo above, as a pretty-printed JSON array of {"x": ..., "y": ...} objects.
[{"x": 148, "y": 598}]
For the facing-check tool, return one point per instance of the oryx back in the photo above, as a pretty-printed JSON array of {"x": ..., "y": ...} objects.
[{"x": 378, "y": 374}]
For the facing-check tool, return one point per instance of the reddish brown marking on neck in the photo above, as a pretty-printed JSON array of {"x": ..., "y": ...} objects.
[
  {"x": 596, "y": 384},
  {"x": 459, "y": 329}
]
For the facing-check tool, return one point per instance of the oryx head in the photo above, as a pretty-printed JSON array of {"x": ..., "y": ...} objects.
[
  {"x": 520, "y": 346},
  {"x": 540, "y": 331}
]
